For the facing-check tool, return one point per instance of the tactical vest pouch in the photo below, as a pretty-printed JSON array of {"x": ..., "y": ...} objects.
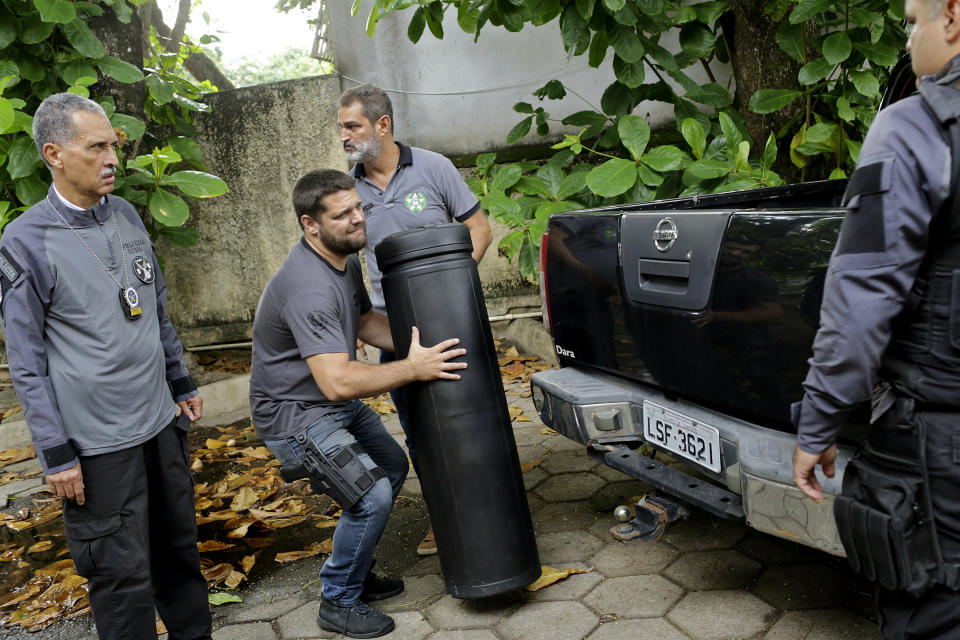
[
  {"x": 884, "y": 518},
  {"x": 340, "y": 473}
]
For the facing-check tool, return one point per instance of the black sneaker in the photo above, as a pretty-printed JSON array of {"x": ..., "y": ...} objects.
[
  {"x": 355, "y": 621},
  {"x": 377, "y": 588}
]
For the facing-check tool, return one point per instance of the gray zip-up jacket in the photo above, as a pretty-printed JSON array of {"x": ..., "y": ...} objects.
[
  {"x": 902, "y": 179},
  {"x": 90, "y": 381}
]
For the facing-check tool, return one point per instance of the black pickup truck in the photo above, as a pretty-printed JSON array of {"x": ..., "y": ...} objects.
[{"x": 684, "y": 327}]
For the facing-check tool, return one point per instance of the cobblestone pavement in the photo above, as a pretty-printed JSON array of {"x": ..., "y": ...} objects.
[{"x": 705, "y": 579}]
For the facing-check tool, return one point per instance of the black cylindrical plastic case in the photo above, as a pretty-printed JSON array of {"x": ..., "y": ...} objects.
[{"x": 470, "y": 473}]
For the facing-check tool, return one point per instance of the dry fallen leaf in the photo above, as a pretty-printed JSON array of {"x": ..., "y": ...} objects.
[
  {"x": 547, "y": 431},
  {"x": 213, "y": 445},
  {"x": 247, "y": 563},
  {"x": 234, "y": 579},
  {"x": 11, "y": 456},
  {"x": 161, "y": 628},
  {"x": 43, "y": 545},
  {"x": 549, "y": 575},
  {"x": 516, "y": 415},
  {"x": 213, "y": 545},
  {"x": 530, "y": 466},
  {"x": 312, "y": 549},
  {"x": 245, "y": 498}
]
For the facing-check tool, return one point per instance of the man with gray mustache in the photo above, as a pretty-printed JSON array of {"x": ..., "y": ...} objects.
[{"x": 99, "y": 371}]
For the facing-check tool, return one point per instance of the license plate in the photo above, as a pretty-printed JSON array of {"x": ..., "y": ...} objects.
[{"x": 687, "y": 438}]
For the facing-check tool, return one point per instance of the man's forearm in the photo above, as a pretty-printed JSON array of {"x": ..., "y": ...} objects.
[{"x": 352, "y": 380}]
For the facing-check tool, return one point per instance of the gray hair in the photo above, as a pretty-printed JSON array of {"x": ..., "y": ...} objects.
[
  {"x": 374, "y": 102},
  {"x": 53, "y": 121}
]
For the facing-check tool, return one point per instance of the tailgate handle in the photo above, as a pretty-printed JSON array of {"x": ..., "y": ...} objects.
[{"x": 665, "y": 276}]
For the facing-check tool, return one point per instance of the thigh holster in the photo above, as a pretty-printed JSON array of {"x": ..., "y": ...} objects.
[{"x": 339, "y": 473}]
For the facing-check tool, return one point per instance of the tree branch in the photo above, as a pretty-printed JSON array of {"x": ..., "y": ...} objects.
[
  {"x": 179, "y": 27},
  {"x": 199, "y": 65}
]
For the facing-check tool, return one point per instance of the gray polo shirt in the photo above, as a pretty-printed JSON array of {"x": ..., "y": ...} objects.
[
  {"x": 308, "y": 307},
  {"x": 425, "y": 189}
]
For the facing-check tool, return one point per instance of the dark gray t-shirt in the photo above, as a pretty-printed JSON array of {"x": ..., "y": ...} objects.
[{"x": 308, "y": 307}]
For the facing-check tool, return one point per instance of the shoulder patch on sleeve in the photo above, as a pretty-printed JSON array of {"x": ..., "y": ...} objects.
[
  {"x": 9, "y": 267},
  {"x": 863, "y": 226}
]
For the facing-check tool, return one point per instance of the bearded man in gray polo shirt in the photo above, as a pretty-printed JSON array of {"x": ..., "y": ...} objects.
[
  {"x": 402, "y": 188},
  {"x": 305, "y": 381}
]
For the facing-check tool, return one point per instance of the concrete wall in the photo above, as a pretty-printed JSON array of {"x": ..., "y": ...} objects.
[
  {"x": 260, "y": 140},
  {"x": 455, "y": 96}
]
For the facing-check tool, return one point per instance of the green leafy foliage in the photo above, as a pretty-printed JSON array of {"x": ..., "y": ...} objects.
[
  {"x": 842, "y": 49},
  {"x": 46, "y": 46}
]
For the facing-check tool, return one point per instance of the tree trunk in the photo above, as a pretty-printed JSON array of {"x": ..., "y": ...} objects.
[
  {"x": 121, "y": 41},
  {"x": 758, "y": 62}
]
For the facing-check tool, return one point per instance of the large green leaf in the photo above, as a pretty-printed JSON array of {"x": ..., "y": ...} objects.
[
  {"x": 616, "y": 99},
  {"x": 30, "y": 68},
  {"x": 181, "y": 236},
  {"x": 731, "y": 132},
  {"x": 505, "y": 177},
  {"x": 665, "y": 158},
  {"x": 651, "y": 7},
  {"x": 770, "y": 100},
  {"x": 709, "y": 12},
  {"x": 217, "y": 599},
  {"x": 695, "y": 136},
  {"x": 418, "y": 22},
  {"x": 31, "y": 189},
  {"x": 22, "y": 157},
  {"x": 814, "y": 71},
  {"x": 612, "y": 178},
  {"x": 574, "y": 30},
  {"x": 807, "y": 9},
  {"x": 598, "y": 49},
  {"x": 866, "y": 83},
  {"x": 8, "y": 27},
  {"x": 7, "y": 114},
  {"x": 160, "y": 89},
  {"x": 552, "y": 177},
  {"x": 188, "y": 149},
  {"x": 708, "y": 169},
  {"x": 83, "y": 39},
  {"x": 712, "y": 95},
  {"x": 790, "y": 38},
  {"x": 634, "y": 134},
  {"x": 612, "y": 6},
  {"x": 519, "y": 130},
  {"x": 122, "y": 10},
  {"x": 168, "y": 209},
  {"x": 58, "y": 11},
  {"x": 75, "y": 71},
  {"x": 585, "y": 7},
  {"x": 197, "y": 184},
  {"x": 880, "y": 53},
  {"x": 626, "y": 43},
  {"x": 696, "y": 39},
  {"x": 683, "y": 109},
  {"x": 34, "y": 30},
  {"x": 119, "y": 70},
  {"x": 648, "y": 177},
  {"x": 837, "y": 47},
  {"x": 572, "y": 185},
  {"x": 630, "y": 74},
  {"x": 133, "y": 127}
]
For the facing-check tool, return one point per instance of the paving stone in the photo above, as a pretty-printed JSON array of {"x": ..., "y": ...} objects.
[
  {"x": 770, "y": 549},
  {"x": 617, "y": 493},
  {"x": 425, "y": 566},
  {"x": 450, "y": 613},
  {"x": 658, "y": 628},
  {"x": 411, "y": 625},
  {"x": 559, "y": 444},
  {"x": 705, "y": 615},
  {"x": 464, "y": 634},
  {"x": 610, "y": 474},
  {"x": 418, "y": 592},
  {"x": 713, "y": 570},
  {"x": 569, "y": 487},
  {"x": 831, "y": 624},
  {"x": 532, "y": 453},
  {"x": 563, "y": 516},
  {"x": 411, "y": 487},
  {"x": 701, "y": 531},
  {"x": 634, "y": 597},
  {"x": 572, "y": 587},
  {"x": 567, "y": 546},
  {"x": 18, "y": 487},
  {"x": 549, "y": 621},
  {"x": 302, "y": 623},
  {"x": 636, "y": 558},
  {"x": 265, "y": 612},
  {"x": 528, "y": 435},
  {"x": 570, "y": 462},
  {"x": 24, "y": 466},
  {"x": 534, "y": 477},
  {"x": 804, "y": 586},
  {"x": 254, "y": 631}
]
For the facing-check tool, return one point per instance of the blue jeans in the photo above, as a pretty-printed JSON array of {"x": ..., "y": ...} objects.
[
  {"x": 400, "y": 402},
  {"x": 362, "y": 524}
]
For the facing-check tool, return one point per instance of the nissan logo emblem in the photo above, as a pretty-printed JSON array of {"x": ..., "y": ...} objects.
[{"x": 665, "y": 235}]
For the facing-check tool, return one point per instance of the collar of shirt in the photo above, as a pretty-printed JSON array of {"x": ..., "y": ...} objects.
[
  {"x": 406, "y": 159},
  {"x": 75, "y": 215}
]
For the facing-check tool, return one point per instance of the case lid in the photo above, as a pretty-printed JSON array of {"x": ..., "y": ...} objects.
[{"x": 423, "y": 242}]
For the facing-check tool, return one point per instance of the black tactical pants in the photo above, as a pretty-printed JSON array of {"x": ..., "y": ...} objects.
[
  {"x": 135, "y": 540},
  {"x": 936, "y": 614}
]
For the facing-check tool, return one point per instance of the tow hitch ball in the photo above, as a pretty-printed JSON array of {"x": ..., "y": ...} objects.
[{"x": 650, "y": 517}]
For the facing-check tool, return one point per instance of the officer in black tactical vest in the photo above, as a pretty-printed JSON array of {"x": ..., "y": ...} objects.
[{"x": 889, "y": 346}]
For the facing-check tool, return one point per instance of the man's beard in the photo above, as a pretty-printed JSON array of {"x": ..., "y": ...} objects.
[
  {"x": 343, "y": 246},
  {"x": 364, "y": 151}
]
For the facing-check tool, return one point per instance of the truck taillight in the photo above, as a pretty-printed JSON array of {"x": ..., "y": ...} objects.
[{"x": 544, "y": 295}]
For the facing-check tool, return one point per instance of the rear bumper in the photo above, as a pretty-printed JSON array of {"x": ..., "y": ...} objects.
[{"x": 755, "y": 481}]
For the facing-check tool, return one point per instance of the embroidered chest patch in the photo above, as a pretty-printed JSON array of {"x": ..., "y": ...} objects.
[{"x": 415, "y": 201}]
